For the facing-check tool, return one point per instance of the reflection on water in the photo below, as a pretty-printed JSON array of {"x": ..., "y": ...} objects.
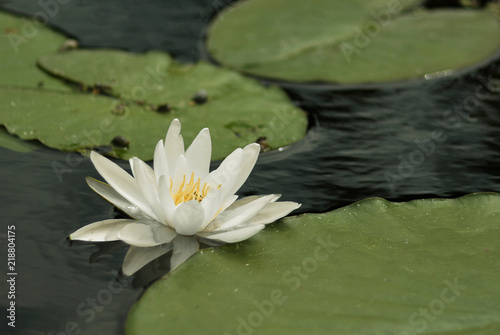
[
  {"x": 57, "y": 286},
  {"x": 435, "y": 138}
]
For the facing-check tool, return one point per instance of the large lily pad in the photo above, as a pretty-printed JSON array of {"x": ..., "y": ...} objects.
[
  {"x": 350, "y": 41},
  {"x": 374, "y": 267},
  {"x": 22, "y": 42}
]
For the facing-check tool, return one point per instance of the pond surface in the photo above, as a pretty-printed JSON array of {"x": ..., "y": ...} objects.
[{"x": 435, "y": 138}]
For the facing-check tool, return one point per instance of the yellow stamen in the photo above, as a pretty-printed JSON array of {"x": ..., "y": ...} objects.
[{"x": 189, "y": 191}]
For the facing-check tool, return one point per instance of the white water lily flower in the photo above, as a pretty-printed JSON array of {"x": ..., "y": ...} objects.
[{"x": 180, "y": 203}]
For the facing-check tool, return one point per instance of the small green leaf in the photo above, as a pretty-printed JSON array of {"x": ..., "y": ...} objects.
[
  {"x": 350, "y": 41},
  {"x": 374, "y": 267}
]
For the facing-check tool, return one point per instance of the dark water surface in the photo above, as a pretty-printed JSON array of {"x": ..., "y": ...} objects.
[{"x": 435, "y": 138}]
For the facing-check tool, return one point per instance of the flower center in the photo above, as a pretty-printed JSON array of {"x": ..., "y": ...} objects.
[{"x": 190, "y": 191}]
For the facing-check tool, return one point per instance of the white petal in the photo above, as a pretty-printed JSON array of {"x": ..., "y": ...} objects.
[
  {"x": 273, "y": 211},
  {"x": 174, "y": 144},
  {"x": 212, "y": 204},
  {"x": 242, "y": 214},
  {"x": 131, "y": 166},
  {"x": 184, "y": 247},
  {"x": 235, "y": 235},
  {"x": 250, "y": 198},
  {"x": 189, "y": 217},
  {"x": 109, "y": 193},
  {"x": 143, "y": 235},
  {"x": 160, "y": 161},
  {"x": 212, "y": 223},
  {"x": 166, "y": 201},
  {"x": 121, "y": 181},
  {"x": 227, "y": 172},
  {"x": 137, "y": 257},
  {"x": 180, "y": 174},
  {"x": 228, "y": 202},
  {"x": 147, "y": 184},
  {"x": 162, "y": 233},
  {"x": 101, "y": 231},
  {"x": 148, "y": 168},
  {"x": 249, "y": 158},
  {"x": 245, "y": 200},
  {"x": 199, "y": 153},
  {"x": 139, "y": 166}
]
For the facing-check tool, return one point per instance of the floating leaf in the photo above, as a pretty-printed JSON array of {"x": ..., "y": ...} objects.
[
  {"x": 78, "y": 122},
  {"x": 125, "y": 74},
  {"x": 374, "y": 267},
  {"x": 134, "y": 96},
  {"x": 155, "y": 78},
  {"x": 22, "y": 41},
  {"x": 350, "y": 42}
]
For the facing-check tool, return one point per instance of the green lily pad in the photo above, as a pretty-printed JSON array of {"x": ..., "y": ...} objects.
[
  {"x": 14, "y": 143},
  {"x": 154, "y": 78},
  {"x": 124, "y": 74},
  {"x": 79, "y": 122},
  {"x": 22, "y": 42},
  {"x": 350, "y": 41},
  {"x": 134, "y": 95},
  {"x": 374, "y": 267}
]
